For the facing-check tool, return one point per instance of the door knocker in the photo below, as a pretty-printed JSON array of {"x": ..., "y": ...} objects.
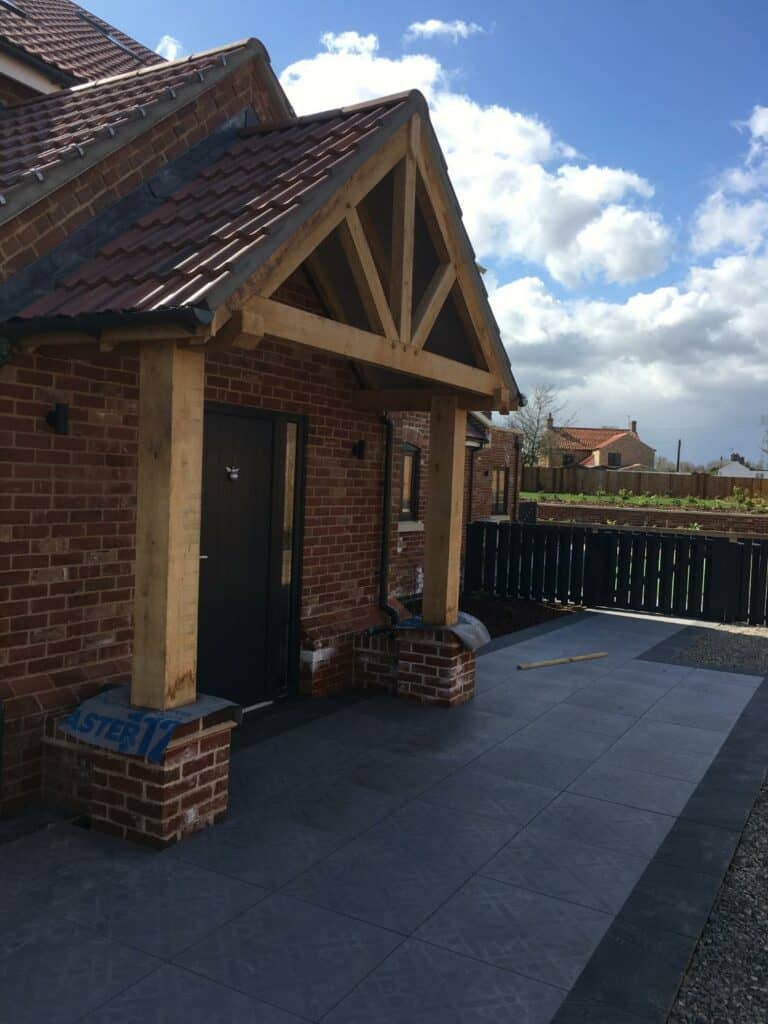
[{"x": 233, "y": 472}]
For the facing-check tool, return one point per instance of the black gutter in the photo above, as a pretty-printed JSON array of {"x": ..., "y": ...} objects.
[
  {"x": 187, "y": 317},
  {"x": 386, "y": 524}
]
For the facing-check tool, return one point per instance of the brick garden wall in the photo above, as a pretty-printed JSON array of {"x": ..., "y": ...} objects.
[{"x": 738, "y": 523}]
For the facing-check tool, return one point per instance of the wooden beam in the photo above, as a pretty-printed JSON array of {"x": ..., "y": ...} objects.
[
  {"x": 432, "y": 301},
  {"x": 415, "y": 399},
  {"x": 319, "y": 225},
  {"x": 171, "y": 389},
  {"x": 444, "y": 215},
  {"x": 443, "y": 521},
  {"x": 403, "y": 223},
  {"x": 369, "y": 286},
  {"x": 318, "y": 332}
]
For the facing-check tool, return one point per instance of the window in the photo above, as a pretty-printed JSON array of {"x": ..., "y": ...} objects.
[
  {"x": 11, "y": 6},
  {"x": 107, "y": 33},
  {"x": 409, "y": 492},
  {"x": 614, "y": 459},
  {"x": 568, "y": 460},
  {"x": 499, "y": 491}
]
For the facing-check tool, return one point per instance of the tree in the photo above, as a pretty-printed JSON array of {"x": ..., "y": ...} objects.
[{"x": 531, "y": 420}]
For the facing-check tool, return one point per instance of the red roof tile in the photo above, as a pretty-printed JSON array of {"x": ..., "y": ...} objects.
[
  {"x": 42, "y": 133},
  {"x": 177, "y": 254},
  {"x": 73, "y": 41},
  {"x": 584, "y": 438}
]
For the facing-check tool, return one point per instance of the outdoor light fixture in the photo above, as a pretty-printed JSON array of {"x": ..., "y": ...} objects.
[{"x": 358, "y": 449}]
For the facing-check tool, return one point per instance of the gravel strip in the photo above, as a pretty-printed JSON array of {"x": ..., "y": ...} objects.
[
  {"x": 727, "y": 980},
  {"x": 741, "y": 650}
]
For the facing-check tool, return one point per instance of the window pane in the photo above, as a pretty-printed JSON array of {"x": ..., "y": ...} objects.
[
  {"x": 291, "y": 433},
  {"x": 406, "y": 504}
]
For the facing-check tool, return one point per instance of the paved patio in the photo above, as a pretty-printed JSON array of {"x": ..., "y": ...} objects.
[{"x": 392, "y": 863}]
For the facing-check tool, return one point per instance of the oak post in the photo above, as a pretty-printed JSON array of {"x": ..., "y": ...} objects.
[
  {"x": 168, "y": 525},
  {"x": 442, "y": 541}
]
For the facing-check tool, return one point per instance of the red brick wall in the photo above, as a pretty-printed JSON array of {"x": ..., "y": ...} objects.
[
  {"x": 661, "y": 518},
  {"x": 49, "y": 222},
  {"x": 67, "y": 523},
  {"x": 407, "y": 554},
  {"x": 13, "y": 92}
]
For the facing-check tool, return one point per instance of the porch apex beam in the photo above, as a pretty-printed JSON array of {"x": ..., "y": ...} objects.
[
  {"x": 431, "y": 303},
  {"x": 292, "y": 324},
  {"x": 415, "y": 399},
  {"x": 403, "y": 227},
  {"x": 171, "y": 387},
  {"x": 443, "y": 526},
  {"x": 358, "y": 252}
]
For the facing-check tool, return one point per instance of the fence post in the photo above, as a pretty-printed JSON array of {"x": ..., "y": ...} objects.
[{"x": 723, "y": 583}]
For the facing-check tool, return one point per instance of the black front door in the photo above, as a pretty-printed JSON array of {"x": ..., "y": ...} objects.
[{"x": 247, "y": 630}]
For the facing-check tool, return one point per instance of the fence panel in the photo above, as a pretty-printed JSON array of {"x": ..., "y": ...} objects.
[
  {"x": 691, "y": 577},
  {"x": 570, "y": 480}
]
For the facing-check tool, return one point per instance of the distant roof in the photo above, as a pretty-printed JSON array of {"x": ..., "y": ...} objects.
[
  {"x": 185, "y": 251},
  {"x": 72, "y": 43},
  {"x": 64, "y": 127},
  {"x": 584, "y": 438}
]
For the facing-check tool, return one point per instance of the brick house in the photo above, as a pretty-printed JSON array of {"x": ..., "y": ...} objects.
[
  {"x": 239, "y": 350},
  {"x": 589, "y": 447}
]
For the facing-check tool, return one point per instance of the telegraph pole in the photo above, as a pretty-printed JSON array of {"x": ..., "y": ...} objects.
[{"x": 677, "y": 464}]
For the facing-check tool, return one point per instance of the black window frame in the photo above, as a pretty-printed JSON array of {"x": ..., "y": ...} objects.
[
  {"x": 500, "y": 498},
  {"x": 569, "y": 460},
  {"x": 410, "y": 452},
  {"x": 614, "y": 460}
]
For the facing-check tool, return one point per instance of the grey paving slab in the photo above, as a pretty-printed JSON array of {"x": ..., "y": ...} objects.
[
  {"x": 699, "y": 848},
  {"x": 456, "y": 737},
  {"x": 600, "y": 823},
  {"x": 392, "y": 888},
  {"x": 633, "y": 788},
  {"x": 671, "y": 898},
  {"x": 515, "y": 759},
  {"x": 173, "y": 994},
  {"x": 699, "y": 711},
  {"x": 635, "y": 972},
  {"x": 163, "y": 908},
  {"x": 399, "y": 777},
  {"x": 537, "y": 936},
  {"x": 266, "y": 847},
  {"x": 509, "y": 703},
  {"x": 480, "y": 792},
  {"x": 664, "y": 748},
  {"x": 422, "y": 984},
  {"x": 623, "y": 698},
  {"x": 65, "y": 973},
  {"x": 591, "y": 876},
  {"x": 291, "y": 954},
  {"x": 591, "y": 720},
  {"x": 548, "y": 733}
]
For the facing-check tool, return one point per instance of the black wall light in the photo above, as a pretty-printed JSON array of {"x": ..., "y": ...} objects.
[
  {"x": 57, "y": 418},
  {"x": 358, "y": 449}
]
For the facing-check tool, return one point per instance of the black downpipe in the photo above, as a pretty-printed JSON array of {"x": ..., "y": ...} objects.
[{"x": 386, "y": 518}]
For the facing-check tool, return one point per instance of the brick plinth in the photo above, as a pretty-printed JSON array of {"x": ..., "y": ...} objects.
[
  {"x": 128, "y": 796},
  {"x": 434, "y": 667},
  {"x": 376, "y": 660}
]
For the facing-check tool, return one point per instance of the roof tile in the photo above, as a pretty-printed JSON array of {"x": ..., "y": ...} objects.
[
  {"x": 73, "y": 41},
  {"x": 175, "y": 254}
]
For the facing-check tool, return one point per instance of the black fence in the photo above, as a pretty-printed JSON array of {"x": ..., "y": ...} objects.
[{"x": 685, "y": 575}]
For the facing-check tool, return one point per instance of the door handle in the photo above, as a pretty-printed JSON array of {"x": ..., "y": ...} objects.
[{"x": 202, "y": 557}]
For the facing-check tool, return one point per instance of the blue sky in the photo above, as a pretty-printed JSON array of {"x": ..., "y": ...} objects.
[{"x": 635, "y": 288}]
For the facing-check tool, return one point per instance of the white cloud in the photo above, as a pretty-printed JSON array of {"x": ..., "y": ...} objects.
[
  {"x": 690, "y": 359},
  {"x": 434, "y": 28},
  {"x": 523, "y": 195},
  {"x": 170, "y": 48},
  {"x": 735, "y": 214}
]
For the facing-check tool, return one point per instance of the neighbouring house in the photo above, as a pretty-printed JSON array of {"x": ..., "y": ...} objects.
[
  {"x": 592, "y": 447},
  {"x": 248, "y": 361},
  {"x": 737, "y": 466}
]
